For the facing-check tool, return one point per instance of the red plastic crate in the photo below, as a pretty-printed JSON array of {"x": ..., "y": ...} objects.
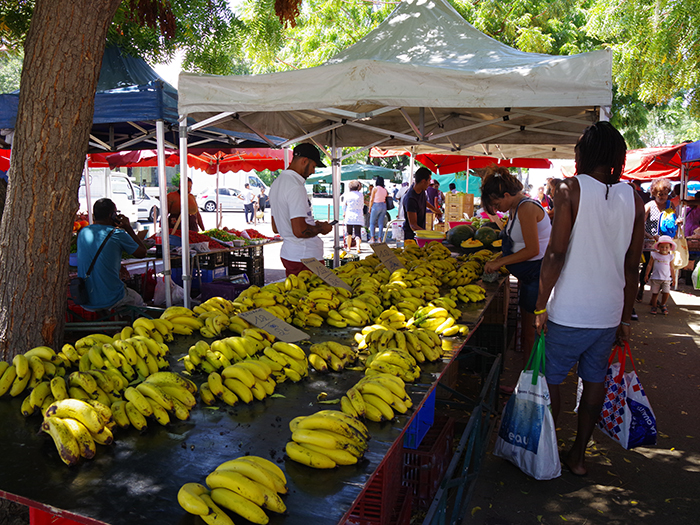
[
  {"x": 39, "y": 517},
  {"x": 377, "y": 504},
  {"x": 424, "y": 467},
  {"x": 403, "y": 508}
]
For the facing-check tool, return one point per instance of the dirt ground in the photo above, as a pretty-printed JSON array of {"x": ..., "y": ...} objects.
[{"x": 650, "y": 485}]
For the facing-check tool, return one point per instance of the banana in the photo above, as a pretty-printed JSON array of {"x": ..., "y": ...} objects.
[
  {"x": 215, "y": 384},
  {"x": 36, "y": 366},
  {"x": 206, "y": 394},
  {"x": 159, "y": 413},
  {"x": 357, "y": 401},
  {"x": 27, "y": 408},
  {"x": 240, "y": 505},
  {"x": 76, "y": 409},
  {"x": 249, "y": 470},
  {"x": 237, "y": 483},
  {"x": 119, "y": 414},
  {"x": 273, "y": 470},
  {"x": 86, "y": 445},
  {"x": 76, "y": 392},
  {"x": 39, "y": 393},
  {"x": 241, "y": 373},
  {"x": 189, "y": 498},
  {"x": 258, "y": 391},
  {"x": 42, "y": 352},
  {"x": 290, "y": 349},
  {"x": 70, "y": 352},
  {"x": 346, "y": 406},
  {"x": 8, "y": 377},
  {"x": 227, "y": 396},
  {"x": 20, "y": 384},
  {"x": 320, "y": 422},
  {"x": 374, "y": 414},
  {"x": 317, "y": 362},
  {"x": 176, "y": 311},
  {"x": 67, "y": 446},
  {"x": 138, "y": 421},
  {"x": 326, "y": 439},
  {"x": 21, "y": 366},
  {"x": 379, "y": 403},
  {"x": 260, "y": 370},
  {"x": 244, "y": 393},
  {"x": 144, "y": 323},
  {"x": 189, "y": 322},
  {"x": 84, "y": 381},
  {"x": 171, "y": 378},
  {"x": 138, "y": 400},
  {"x": 157, "y": 394},
  {"x": 181, "y": 394},
  {"x": 216, "y": 516},
  {"x": 353, "y": 422},
  {"x": 103, "y": 380},
  {"x": 308, "y": 457},
  {"x": 340, "y": 457}
]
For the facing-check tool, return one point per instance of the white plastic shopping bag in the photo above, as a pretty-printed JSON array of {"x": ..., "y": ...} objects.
[
  {"x": 626, "y": 416},
  {"x": 177, "y": 292},
  {"x": 527, "y": 436}
]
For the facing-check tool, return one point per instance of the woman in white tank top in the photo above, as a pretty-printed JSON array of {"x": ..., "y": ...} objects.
[{"x": 525, "y": 240}]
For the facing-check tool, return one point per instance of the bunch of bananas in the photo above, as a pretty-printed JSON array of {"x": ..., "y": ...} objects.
[
  {"x": 29, "y": 369},
  {"x": 465, "y": 273},
  {"x": 470, "y": 293},
  {"x": 399, "y": 363},
  {"x": 439, "y": 319},
  {"x": 158, "y": 396},
  {"x": 394, "y": 318},
  {"x": 207, "y": 359},
  {"x": 356, "y": 312},
  {"x": 218, "y": 304},
  {"x": 237, "y": 324},
  {"x": 214, "y": 322},
  {"x": 287, "y": 361},
  {"x": 294, "y": 282},
  {"x": 330, "y": 355},
  {"x": 134, "y": 357},
  {"x": 75, "y": 426},
  {"x": 246, "y": 380},
  {"x": 376, "y": 398},
  {"x": 183, "y": 320},
  {"x": 436, "y": 251},
  {"x": 422, "y": 345},
  {"x": 326, "y": 439},
  {"x": 160, "y": 330},
  {"x": 246, "y": 486}
]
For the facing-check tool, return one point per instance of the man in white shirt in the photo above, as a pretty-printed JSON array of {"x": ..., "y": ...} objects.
[
  {"x": 248, "y": 198},
  {"x": 292, "y": 216}
]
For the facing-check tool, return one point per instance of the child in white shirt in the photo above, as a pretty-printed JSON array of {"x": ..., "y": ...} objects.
[{"x": 662, "y": 272}]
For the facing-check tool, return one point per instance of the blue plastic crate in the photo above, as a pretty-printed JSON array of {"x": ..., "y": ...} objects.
[
  {"x": 421, "y": 423},
  {"x": 208, "y": 275}
]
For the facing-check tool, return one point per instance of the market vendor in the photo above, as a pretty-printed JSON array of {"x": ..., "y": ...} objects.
[
  {"x": 195, "y": 222},
  {"x": 292, "y": 216},
  {"x": 415, "y": 204},
  {"x": 114, "y": 233}
]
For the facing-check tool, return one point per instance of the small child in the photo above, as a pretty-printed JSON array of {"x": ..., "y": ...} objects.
[{"x": 662, "y": 272}]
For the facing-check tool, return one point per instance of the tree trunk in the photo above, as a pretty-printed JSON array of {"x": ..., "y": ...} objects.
[{"x": 62, "y": 60}]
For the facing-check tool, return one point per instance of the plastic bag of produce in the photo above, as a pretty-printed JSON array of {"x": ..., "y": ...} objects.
[
  {"x": 177, "y": 293},
  {"x": 696, "y": 276}
]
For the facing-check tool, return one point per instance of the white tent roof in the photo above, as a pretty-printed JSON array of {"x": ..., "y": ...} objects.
[{"x": 426, "y": 77}]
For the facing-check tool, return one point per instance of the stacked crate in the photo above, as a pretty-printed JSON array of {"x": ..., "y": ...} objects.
[{"x": 457, "y": 205}]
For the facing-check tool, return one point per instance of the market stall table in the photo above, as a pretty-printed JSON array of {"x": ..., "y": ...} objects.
[{"x": 136, "y": 480}]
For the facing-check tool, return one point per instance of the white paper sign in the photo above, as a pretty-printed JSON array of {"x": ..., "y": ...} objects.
[
  {"x": 387, "y": 257},
  {"x": 274, "y": 325},
  {"x": 325, "y": 273}
]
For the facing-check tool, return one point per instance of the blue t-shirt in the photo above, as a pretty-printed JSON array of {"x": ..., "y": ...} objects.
[{"x": 104, "y": 285}]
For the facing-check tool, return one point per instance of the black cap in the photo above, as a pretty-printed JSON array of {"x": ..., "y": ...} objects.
[{"x": 310, "y": 152}]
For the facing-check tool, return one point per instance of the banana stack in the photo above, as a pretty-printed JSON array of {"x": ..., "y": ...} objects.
[
  {"x": 246, "y": 486},
  {"x": 212, "y": 304},
  {"x": 438, "y": 319},
  {"x": 294, "y": 282},
  {"x": 422, "y": 345},
  {"x": 376, "y": 398},
  {"x": 470, "y": 293},
  {"x": 287, "y": 361},
  {"x": 183, "y": 320},
  {"x": 214, "y": 322},
  {"x": 245, "y": 381},
  {"x": 327, "y": 439},
  {"x": 75, "y": 427},
  {"x": 394, "y": 318},
  {"x": 330, "y": 355},
  {"x": 399, "y": 363},
  {"x": 30, "y": 369},
  {"x": 158, "y": 396},
  {"x": 466, "y": 273}
]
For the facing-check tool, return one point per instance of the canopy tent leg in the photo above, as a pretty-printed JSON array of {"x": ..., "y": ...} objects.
[
  {"x": 88, "y": 196},
  {"x": 184, "y": 213},
  {"x": 335, "y": 171},
  {"x": 164, "y": 230},
  {"x": 219, "y": 212}
]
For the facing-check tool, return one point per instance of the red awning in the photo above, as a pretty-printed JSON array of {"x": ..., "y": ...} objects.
[
  {"x": 653, "y": 163},
  {"x": 4, "y": 159}
]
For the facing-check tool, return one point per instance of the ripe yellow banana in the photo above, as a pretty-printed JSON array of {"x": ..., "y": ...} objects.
[
  {"x": 67, "y": 446},
  {"x": 237, "y": 483},
  {"x": 189, "y": 498},
  {"x": 308, "y": 457},
  {"x": 240, "y": 505},
  {"x": 76, "y": 409},
  {"x": 86, "y": 445}
]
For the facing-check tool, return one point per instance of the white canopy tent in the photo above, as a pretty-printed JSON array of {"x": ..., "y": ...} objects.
[{"x": 425, "y": 77}]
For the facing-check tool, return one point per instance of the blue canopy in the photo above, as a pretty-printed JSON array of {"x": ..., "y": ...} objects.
[{"x": 130, "y": 98}]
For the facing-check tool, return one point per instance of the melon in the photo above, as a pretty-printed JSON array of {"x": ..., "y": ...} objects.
[
  {"x": 497, "y": 244},
  {"x": 455, "y": 236},
  {"x": 469, "y": 246},
  {"x": 486, "y": 235}
]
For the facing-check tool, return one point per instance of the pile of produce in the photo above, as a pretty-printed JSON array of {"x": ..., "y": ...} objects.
[
  {"x": 223, "y": 235},
  {"x": 198, "y": 237}
]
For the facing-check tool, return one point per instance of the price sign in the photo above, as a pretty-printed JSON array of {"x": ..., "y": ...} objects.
[
  {"x": 274, "y": 325},
  {"x": 325, "y": 274},
  {"x": 387, "y": 257}
]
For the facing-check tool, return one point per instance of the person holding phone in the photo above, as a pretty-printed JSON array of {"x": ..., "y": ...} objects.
[
  {"x": 112, "y": 232},
  {"x": 292, "y": 216}
]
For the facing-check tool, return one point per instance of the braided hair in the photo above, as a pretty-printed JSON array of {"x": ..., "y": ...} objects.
[{"x": 601, "y": 146}]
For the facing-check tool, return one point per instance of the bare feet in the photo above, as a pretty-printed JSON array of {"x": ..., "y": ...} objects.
[{"x": 576, "y": 467}]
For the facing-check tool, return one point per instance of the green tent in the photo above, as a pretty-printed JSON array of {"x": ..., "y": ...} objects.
[
  {"x": 352, "y": 172},
  {"x": 469, "y": 184}
]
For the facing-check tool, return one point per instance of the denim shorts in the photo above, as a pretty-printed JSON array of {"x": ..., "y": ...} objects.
[{"x": 589, "y": 347}]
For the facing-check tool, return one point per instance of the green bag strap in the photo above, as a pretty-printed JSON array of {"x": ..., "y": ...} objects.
[{"x": 537, "y": 360}]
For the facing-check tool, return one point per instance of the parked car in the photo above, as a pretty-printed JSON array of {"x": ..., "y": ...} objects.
[
  {"x": 149, "y": 207},
  {"x": 228, "y": 200}
]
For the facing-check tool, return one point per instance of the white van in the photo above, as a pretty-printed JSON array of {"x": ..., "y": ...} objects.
[
  {"x": 238, "y": 179},
  {"x": 129, "y": 198}
]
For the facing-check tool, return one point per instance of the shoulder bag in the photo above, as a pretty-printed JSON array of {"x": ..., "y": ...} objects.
[{"x": 78, "y": 285}]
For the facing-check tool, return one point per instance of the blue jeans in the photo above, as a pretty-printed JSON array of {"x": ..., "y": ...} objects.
[
  {"x": 249, "y": 211},
  {"x": 378, "y": 212}
]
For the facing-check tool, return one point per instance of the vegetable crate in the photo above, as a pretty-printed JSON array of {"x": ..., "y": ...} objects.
[
  {"x": 249, "y": 261},
  {"x": 212, "y": 260},
  {"x": 424, "y": 467},
  {"x": 350, "y": 257},
  {"x": 421, "y": 423},
  {"x": 377, "y": 504}
]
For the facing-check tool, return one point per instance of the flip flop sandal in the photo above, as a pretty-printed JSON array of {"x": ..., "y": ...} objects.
[
  {"x": 653, "y": 310},
  {"x": 664, "y": 310}
]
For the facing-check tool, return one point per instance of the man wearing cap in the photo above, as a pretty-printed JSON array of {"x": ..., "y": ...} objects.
[{"x": 292, "y": 216}]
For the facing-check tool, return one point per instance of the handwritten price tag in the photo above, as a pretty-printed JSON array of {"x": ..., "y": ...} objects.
[
  {"x": 387, "y": 257},
  {"x": 325, "y": 274},
  {"x": 274, "y": 325}
]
